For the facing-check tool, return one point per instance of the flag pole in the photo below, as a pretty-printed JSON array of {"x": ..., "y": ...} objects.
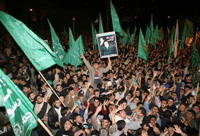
[
  {"x": 44, "y": 126},
  {"x": 51, "y": 88}
]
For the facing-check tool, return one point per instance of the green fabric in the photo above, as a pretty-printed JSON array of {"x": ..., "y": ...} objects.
[
  {"x": 147, "y": 34},
  {"x": 36, "y": 50},
  {"x": 132, "y": 37},
  {"x": 57, "y": 47},
  {"x": 142, "y": 47},
  {"x": 20, "y": 110},
  {"x": 101, "y": 30},
  {"x": 195, "y": 56},
  {"x": 188, "y": 31},
  {"x": 71, "y": 38},
  {"x": 170, "y": 49},
  {"x": 73, "y": 56},
  {"x": 94, "y": 39},
  {"x": 152, "y": 39},
  {"x": 115, "y": 20}
]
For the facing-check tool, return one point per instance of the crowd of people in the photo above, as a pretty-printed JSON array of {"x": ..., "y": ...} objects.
[{"x": 117, "y": 96}]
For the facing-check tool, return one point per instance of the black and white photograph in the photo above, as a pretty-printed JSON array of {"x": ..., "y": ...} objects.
[{"x": 107, "y": 44}]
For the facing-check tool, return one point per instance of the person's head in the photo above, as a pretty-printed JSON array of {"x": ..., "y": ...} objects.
[
  {"x": 97, "y": 93},
  {"x": 122, "y": 114},
  {"x": 152, "y": 120},
  {"x": 190, "y": 115},
  {"x": 64, "y": 111},
  {"x": 75, "y": 78},
  {"x": 174, "y": 95},
  {"x": 141, "y": 111},
  {"x": 105, "y": 122},
  {"x": 71, "y": 91},
  {"x": 91, "y": 90},
  {"x": 182, "y": 107},
  {"x": 38, "y": 99},
  {"x": 154, "y": 110},
  {"x": 31, "y": 96},
  {"x": 170, "y": 101},
  {"x": 27, "y": 88},
  {"x": 96, "y": 65},
  {"x": 190, "y": 99},
  {"x": 170, "y": 127},
  {"x": 56, "y": 103},
  {"x": 123, "y": 102},
  {"x": 106, "y": 44},
  {"x": 136, "y": 100},
  {"x": 68, "y": 125},
  {"x": 164, "y": 103},
  {"x": 95, "y": 132},
  {"x": 96, "y": 101},
  {"x": 59, "y": 88},
  {"x": 195, "y": 107},
  {"x": 167, "y": 114},
  {"x": 77, "y": 118},
  {"x": 121, "y": 124}
]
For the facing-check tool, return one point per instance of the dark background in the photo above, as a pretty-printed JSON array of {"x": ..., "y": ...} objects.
[{"x": 131, "y": 13}]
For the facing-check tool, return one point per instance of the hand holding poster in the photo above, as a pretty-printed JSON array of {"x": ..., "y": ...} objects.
[{"x": 107, "y": 44}]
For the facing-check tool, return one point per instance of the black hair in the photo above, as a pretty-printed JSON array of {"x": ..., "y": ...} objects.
[
  {"x": 64, "y": 110},
  {"x": 122, "y": 101},
  {"x": 143, "y": 110},
  {"x": 167, "y": 114},
  {"x": 95, "y": 132},
  {"x": 193, "y": 112},
  {"x": 121, "y": 124}
]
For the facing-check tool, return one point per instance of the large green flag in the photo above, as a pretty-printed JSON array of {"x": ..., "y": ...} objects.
[
  {"x": 123, "y": 37},
  {"x": 37, "y": 51},
  {"x": 142, "y": 47},
  {"x": 71, "y": 38},
  {"x": 57, "y": 47},
  {"x": 115, "y": 20},
  {"x": 132, "y": 37},
  {"x": 101, "y": 30},
  {"x": 170, "y": 49},
  {"x": 187, "y": 34},
  {"x": 195, "y": 56},
  {"x": 73, "y": 56},
  {"x": 94, "y": 39},
  {"x": 18, "y": 107}
]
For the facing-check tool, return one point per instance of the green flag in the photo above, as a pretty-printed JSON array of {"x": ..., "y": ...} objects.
[
  {"x": 147, "y": 34},
  {"x": 18, "y": 107},
  {"x": 132, "y": 37},
  {"x": 79, "y": 41},
  {"x": 187, "y": 34},
  {"x": 170, "y": 49},
  {"x": 195, "y": 56},
  {"x": 37, "y": 51},
  {"x": 123, "y": 37},
  {"x": 94, "y": 39},
  {"x": 115, "y": 20},
  {"x": 71, "y": 38},
  {"x": 57, "y": 47},
  {"x": 142, "y": 47},
  {"x": 101, "y": 30},
  {"x": 152, "y": 39},
  {"x": 64, "y": 33},
  {"x": 73, "y": 56},
  {"x": 155, "y": 33}
]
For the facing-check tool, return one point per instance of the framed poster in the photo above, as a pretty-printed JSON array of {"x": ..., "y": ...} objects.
[{"x": 107, "y": 44}]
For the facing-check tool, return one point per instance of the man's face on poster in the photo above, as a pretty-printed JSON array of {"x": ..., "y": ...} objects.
[{"x": 106, "y": 44}]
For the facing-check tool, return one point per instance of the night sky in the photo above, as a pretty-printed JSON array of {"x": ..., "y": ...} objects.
[{"x": 131, "y": 13}]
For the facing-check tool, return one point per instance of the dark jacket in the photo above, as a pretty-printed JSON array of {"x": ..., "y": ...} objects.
[{"x": 53, "y": 118}]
